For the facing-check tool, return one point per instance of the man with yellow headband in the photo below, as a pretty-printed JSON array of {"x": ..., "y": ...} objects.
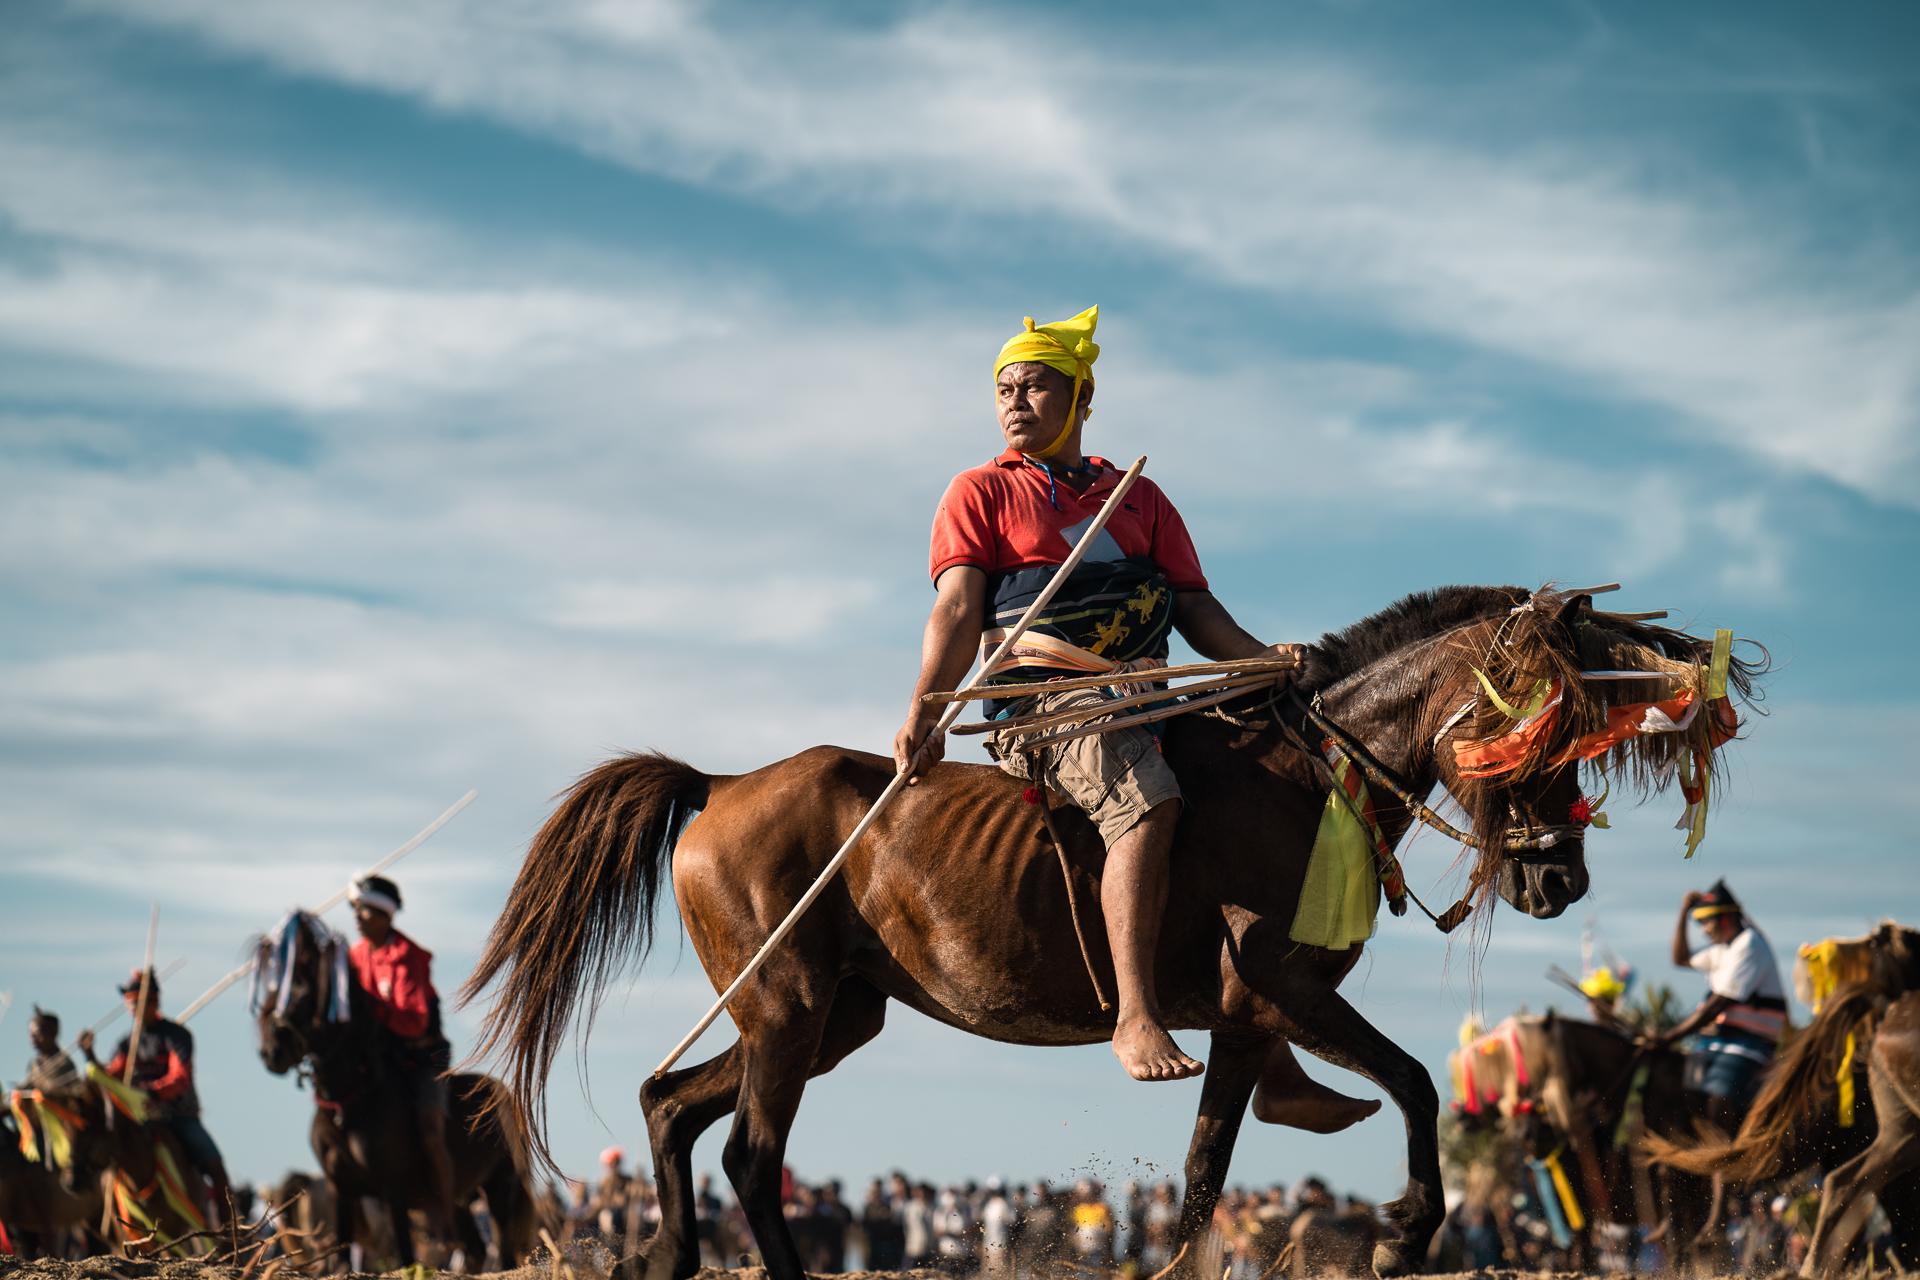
[
  {"x": 1001, "y": 532},
  {"x": 1739, "y": 1025}
]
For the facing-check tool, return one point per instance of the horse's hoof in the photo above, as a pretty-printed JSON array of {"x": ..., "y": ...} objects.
[{"x": 1390, "y": 1258}]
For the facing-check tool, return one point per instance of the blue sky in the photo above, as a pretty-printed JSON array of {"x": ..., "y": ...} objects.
[{"x": 396, "y": 400}]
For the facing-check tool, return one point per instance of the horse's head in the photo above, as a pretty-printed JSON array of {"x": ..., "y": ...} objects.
[
  {"x": 1526, "y": 698},
  {"x": 299, "y": 990}
]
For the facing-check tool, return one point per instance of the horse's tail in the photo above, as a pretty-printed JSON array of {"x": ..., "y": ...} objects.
[
  {"x": 1796, "y": 1094},
  {"x": 581, "y": 907}
]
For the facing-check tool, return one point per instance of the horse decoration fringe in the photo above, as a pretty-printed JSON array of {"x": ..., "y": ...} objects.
[
  {"x": 274, "y": 961},
  {"x": 1541, "y": 713},
  {"x": 133, "y": 1204},
  {"x": 1822, "y": 969}
]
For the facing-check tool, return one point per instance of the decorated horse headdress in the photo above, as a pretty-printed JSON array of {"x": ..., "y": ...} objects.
[
  {"x": 1564, "y": 684},
  {"x": 276, "y": 962}
]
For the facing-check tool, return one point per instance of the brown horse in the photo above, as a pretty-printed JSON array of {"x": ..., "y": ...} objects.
[
  {"x": 954, "y": 903},
  {"x": 1794, "y": 1121},
  {"x": 363, "y": 1132},
  {"x": 1582, "y": 1092},
  {"x": 39, "y": 1210}
]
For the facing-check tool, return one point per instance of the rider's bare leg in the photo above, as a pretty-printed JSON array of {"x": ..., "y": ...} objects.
[
  {"x": 1133, "y": 895},
  {"x": 1287, "y": 1095}
]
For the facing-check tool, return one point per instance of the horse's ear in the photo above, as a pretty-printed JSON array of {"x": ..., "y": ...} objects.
[
  {"x": 1547, "y": 1019},
  {"x": 1573, "y": 608}
]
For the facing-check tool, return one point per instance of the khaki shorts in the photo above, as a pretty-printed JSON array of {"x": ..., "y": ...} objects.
[{"x": 1115, "y": 777}]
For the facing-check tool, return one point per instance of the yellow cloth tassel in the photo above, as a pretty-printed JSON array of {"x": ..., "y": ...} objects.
[
  {"x": 132, "y": 1100},
  {"x": 1563, "y": 1187},
  {"x": 1718, "y": 664},
  {"x": 174, "y": 1187},
  {"x": 1845, "y": 1081},
  {"x": 1341, "y": 894},
  {"x": 1536, "y": 700}
]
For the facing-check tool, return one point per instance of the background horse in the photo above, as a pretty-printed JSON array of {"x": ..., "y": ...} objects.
[
  {"x": 1581, "y": 1094},
  {"x": 38, "y": 1210},
  {"x": 311, "y": 1012},
  {"x": 954, "y": 904},
  {"x": 1874, "y": 1020}
]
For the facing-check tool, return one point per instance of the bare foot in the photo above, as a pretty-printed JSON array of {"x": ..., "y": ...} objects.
[
  {"x": 1312, "y": 1106},
  {"x": 1149, "y": 1053}
]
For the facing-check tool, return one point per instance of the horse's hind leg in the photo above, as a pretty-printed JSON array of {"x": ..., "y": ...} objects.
[
  {"x": 682, "y": 1105},
  {"x": 679, "y": 1107},
  {"x": 783, "y": 1042},
  {"x": 1233, "y": 1067},
  {"x": 1847, "y": 1200}
]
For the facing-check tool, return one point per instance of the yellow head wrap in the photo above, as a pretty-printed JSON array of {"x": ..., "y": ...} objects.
[
  {"x": 1066, "y": 345},
  {"x": 1602, "y": 984}
]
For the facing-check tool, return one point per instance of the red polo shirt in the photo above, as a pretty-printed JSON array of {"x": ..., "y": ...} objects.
[
  {"x": 398, "y": 975},
  {"x": 1002, "y": 516}
]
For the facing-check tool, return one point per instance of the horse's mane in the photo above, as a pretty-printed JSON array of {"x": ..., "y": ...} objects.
[
  {"x": 1406, "y": 621},
  {"x": 1800, "y": 1086}
]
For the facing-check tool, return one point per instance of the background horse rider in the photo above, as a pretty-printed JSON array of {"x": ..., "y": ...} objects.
[
  {"x": 1000, "y": 533},
  {"x": 163, "y": 1068},
  {"x": 397, "y": 974},
  {"x": 1740, "y": 1023},
  {"x": 51, "y": 1069}
]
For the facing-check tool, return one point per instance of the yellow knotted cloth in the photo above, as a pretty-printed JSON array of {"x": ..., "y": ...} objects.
[
  {"x": 1066, "y": 345},
  {"x": 1602, "y": 984}
]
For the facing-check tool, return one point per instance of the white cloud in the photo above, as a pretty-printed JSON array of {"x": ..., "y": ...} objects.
[{"x": 1294, "y": 175}]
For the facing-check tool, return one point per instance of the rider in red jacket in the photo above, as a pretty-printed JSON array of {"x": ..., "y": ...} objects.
[{"x": 397, "y": 974}]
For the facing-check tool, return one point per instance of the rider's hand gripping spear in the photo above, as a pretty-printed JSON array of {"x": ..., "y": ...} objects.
[{"x": 947, "y": 717}]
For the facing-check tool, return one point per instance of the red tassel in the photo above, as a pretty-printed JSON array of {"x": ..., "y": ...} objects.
[
  {"x": 1031, "y": 795},
  {"x": 1581, "y": 813}
]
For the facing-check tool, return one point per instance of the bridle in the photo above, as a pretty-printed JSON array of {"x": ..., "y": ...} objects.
[
  {"x": 1527, "y": 844},
  {"x": 1522, "y": 845}
]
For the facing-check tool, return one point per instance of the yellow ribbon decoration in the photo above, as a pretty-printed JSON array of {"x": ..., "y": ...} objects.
[
  {"x": 1539, "y": 698},
  {"x": 1563, "y": 1187},
  {"x": 1718, "y": 664},
  {"x": 1845, "y": 1081},
  {"x": 1695, "y": 818},
  {"x": 1602, "y": 984},
  {"x": 1065, "y": 345},
  {"x": 1824, "y": 972}
]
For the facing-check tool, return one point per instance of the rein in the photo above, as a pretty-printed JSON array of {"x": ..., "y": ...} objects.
[{"x": 1522, "y": 844}]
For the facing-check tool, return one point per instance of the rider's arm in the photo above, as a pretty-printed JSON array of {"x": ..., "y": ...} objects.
[
  {"x": 1682, "y": 949},
  {"x": 177, "y": 1078},
  {"x": 946, "y": 655},
  {"x": 1204, "y": 623},
  {"x": 1710, "y": 1008}
]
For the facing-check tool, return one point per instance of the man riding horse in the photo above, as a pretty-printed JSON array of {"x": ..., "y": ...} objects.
[
  {"x": 397, "y": 973},
  {"x": 51, "y": 1068},
  {"x": 1740, "y": 1023},
  {"x": 163, "y": 1068},
  {"x": 1001, "y": 532}
]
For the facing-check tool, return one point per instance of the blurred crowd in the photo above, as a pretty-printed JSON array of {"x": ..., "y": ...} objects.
[
  {"x": 989, "y": 1225},
  {"x": 1763, "y": 1234}
]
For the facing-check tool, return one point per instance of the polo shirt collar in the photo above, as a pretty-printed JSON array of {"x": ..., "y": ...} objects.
[{"x": 1012, "y": 457}]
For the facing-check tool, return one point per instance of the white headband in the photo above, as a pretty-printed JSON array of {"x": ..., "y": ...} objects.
[{"x": 360, "y": 893}]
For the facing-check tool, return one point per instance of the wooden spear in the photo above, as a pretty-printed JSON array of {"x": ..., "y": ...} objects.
[
  {"x": 146, "y": 994},
  {"x": 947, "y": 717}
]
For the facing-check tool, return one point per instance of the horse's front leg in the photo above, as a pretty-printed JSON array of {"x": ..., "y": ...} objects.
[
  {"x": 1318, "y": 1018},
  {"x": 1233, "y": 1065}
]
